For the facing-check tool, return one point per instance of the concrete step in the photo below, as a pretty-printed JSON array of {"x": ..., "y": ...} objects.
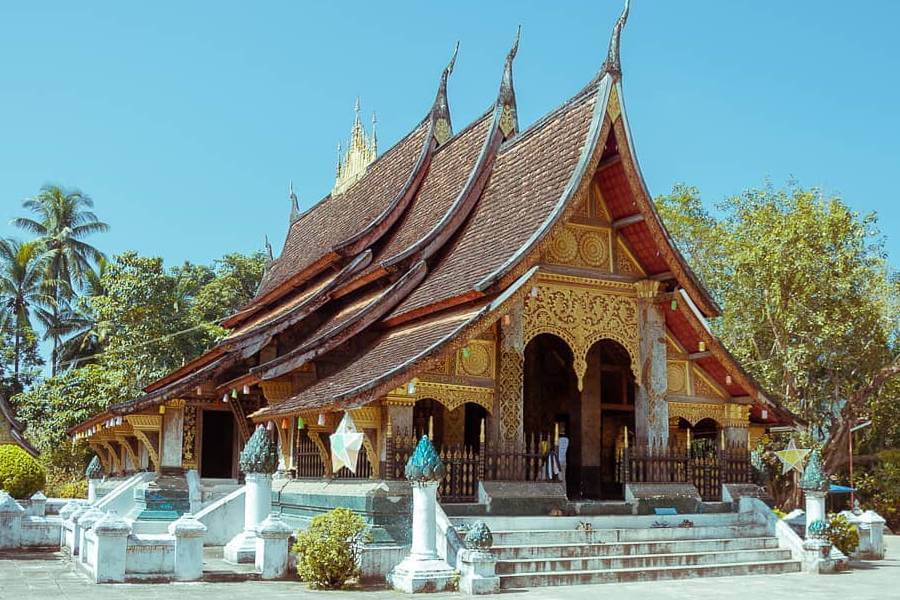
[
  {"x": 578, "y": 536},
  {"x": 606, "y": 521},
  {"x": 632, "y": 548},
  {"x": 550, "y": 578},
  {"x": 646, "y": 561}
]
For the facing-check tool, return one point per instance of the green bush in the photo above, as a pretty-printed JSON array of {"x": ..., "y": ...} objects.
[
  {"x": 20, "y": 474},
  {"x": 842, "y": 534},
  {"x": 328, "y": 552},
  {"x": 70, "y": 489}
]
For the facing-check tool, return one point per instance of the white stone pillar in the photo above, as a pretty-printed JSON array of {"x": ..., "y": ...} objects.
[
  {"x": 477, "y": 565},
  {"x": 92, "y": 490},
  {"x": 188, "y": 533},
  {"x": 65, "y": 515},
  {"x": 272, "y": 536},
  {"x": 815, "y": 507},
  {"x": 11, "y": 513},
  {"x": 75, "y": 542},
  {"x": 259, "y": 459},
  {"x": 422, "y": 570},
  {"x": 109, "y": 551},
  {"x": 871, "y": 530},
  {"x": 424, "y": 520}
]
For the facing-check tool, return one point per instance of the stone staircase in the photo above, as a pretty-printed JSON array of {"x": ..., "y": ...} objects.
[{"x": 549, "y": 551}]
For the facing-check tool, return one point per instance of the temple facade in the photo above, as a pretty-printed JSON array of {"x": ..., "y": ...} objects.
[{"x": 512, "y": 293}]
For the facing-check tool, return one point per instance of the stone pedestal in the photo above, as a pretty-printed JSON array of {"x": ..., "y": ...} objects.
[
  {"x": 109, "y": 551},
  {"x": 38, "y": 504},
  {"x": 815, "y": 507},
  {"x": 422, "y": 570},
  {"x": 74, "y": 542},
  {"x": 86, "y": 521},
  {"x": 870, "y": 526},
  {"x": 188, "y": 533},
  {"x": 817, "y": 557},
  {"x": 257, "y": 505},
  {"x": 478, "y": 572},
  {"x": 11, "y": 513},
  {"x": 272, "y": 548}
]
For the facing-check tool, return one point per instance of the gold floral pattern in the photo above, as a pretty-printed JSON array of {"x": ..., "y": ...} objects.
[{"x": 578, "y": 245}]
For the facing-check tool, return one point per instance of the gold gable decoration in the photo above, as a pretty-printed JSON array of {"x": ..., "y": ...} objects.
[
  {"x": 725, "y": 414},
  {"x": 582, "y": 312},
  {"x": 476, "y": 359},
  {"x": 580, "y": 246},
  {"x": 613, "y": 108},
  {"x": 676, "y": 377},
  {"x": 362, "y": 149},
  {"x": 450, "y": 395}
]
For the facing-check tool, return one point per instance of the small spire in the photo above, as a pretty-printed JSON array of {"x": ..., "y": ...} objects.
[
  {"x": 612, "y": 64},
  {"x": 295, "y": 203},
  {"x": 440, "y": 110},
  {"x": 509, "y": 121},
  {"x": 360, "y": 152},
  {"x": 269, "y": 249},
  {"x": 374, "y": 133}
]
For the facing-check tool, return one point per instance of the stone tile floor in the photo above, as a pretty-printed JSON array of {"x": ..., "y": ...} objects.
[{"x": 48, "y": 576}]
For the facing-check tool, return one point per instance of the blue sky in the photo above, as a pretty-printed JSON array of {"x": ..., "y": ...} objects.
[{"x": 185, "y": 121}]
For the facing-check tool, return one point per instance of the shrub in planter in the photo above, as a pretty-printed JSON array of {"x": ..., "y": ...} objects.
[
  {"x": 328, "y": 552},
  {"x": 20, "y": 474},
  {"x": 842, "y": 534}
]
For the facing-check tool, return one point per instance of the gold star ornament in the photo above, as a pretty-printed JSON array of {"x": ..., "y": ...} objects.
[{"x": 791, "y": 457}]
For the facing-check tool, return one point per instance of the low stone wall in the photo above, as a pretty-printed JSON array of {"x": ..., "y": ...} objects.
[{"x": 30, "y": 527}]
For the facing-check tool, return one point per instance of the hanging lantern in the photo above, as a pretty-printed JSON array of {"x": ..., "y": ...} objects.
[
  {"x": 270, "y": 426},
  {"x": 728, "y": 380},
  {"x": 162, "y": 409},
  {"x": 534, "y": 291},
  {"x": 234, "y": 393},
  {"x": 702, "y": 346},
  {"x": 199, "y": 391},
  {"x": 466, "y": 352},
  {"x": 246, "y": 389},
  {"x": 300, "y": 423},
  {"x": 507, "y": 320},
  {"x": 674, "y": 303},
  {"x": 321, "y": 421},
  {"x": 411, "y": 387},
  {"x": 284, "y": 423},
  {"x": 765, "y": 413},
  {"x": 225, "y": 398}
]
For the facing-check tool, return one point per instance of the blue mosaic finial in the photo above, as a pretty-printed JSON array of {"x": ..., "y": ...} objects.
[
  {"x": 94, "y": 469},
  {"x": 424, "y": 464},
  {"x": 814, "y": 478},
  {"x": 260, "y": 455},
  {"x": 479, "y": 537},
  {"x": 817, "y": 529}
]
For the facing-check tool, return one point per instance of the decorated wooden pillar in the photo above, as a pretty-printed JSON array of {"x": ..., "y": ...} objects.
[
  {"x": 189, "y": 438},
  {"x": 172, "y": 435},
  {"x": 506, "y": 423},
  {"x": 651, "y": 409},
  {"x": 736, "y": 423}
]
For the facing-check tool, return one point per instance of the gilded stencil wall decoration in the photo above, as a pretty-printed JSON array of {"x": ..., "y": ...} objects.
[
  {"x": 579, "y": 245},
  {"x": 189, "y": 438},
  {"x": 450, "y": 395},
  {"x": 582, "y": 313},
  {"x": 676, "y": 378},
  {"x": 613, "y": 109},
  {"x": 476, "y": 359},
  {"x": 693, "y": 413},
  {"x": 509, "y": 391},
  {"x": 703, "y": 387}
]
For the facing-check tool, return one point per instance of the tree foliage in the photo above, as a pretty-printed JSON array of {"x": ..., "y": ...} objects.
[{"x": 810, "y": 307}]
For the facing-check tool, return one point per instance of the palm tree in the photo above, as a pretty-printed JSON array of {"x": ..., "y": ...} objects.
[
  {"x": 63, "y": 220},
  {"x": 23, "y": 293},
  {"x": 82, "y": 336}
]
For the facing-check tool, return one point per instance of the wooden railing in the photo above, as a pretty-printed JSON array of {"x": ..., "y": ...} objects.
[{"x": 706, "y": 468}]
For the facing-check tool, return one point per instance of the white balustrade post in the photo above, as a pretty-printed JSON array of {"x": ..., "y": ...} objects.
[
  {"x": 272, "y": 536},
  {"x": 189, "y": 533},
  {"x": 11, "y": 513},
  {"x": 259, "y": 459},
  {"x": 109, "y": 551}
]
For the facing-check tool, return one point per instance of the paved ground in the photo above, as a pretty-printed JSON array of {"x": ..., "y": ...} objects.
[{"x": 46, "y": 576}]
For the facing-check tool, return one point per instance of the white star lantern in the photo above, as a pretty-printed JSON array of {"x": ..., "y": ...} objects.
[
  {"x": 346, "y": 442},
  {"x": 791, "y": 457}
]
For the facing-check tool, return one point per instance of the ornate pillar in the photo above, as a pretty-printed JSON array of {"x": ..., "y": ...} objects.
[
  {"x": 172, "y": 436},
  {"x": 189, "y": 438},
  {"x": 422, "y": 570},
  {"x": 259, "y": 459},
  {"x": 506, "y": 423},
  {"x": 735, "y": 425},
  {"x": 651, "y": 411}
]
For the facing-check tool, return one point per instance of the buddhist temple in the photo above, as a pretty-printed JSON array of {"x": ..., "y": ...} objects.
[
  {"x": 11, "y": 429},
  {"x": 509, "y": 291}
]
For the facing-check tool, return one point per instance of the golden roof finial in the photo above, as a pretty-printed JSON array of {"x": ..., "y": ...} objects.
[{"x": 361, "y": 151}]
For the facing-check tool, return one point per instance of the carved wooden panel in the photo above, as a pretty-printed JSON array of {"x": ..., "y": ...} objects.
[{"x": 578, "y": 245}]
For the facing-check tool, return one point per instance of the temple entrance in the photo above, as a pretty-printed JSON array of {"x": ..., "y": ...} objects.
[
  {"x": 217, "y": 446},
  {"x": 608, "y": 417},
  {"x": 552, "y": 403}
]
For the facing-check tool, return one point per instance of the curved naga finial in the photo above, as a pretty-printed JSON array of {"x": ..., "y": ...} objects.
[
  {"x": 269, "y": 254},
  {"x": 506, "y": 99},
  {"x": 612, "y": 64},
  {"x": 440, "y": 111},
  {"x": 295, "y": 203}
]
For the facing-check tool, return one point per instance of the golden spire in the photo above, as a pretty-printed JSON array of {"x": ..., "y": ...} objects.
[{"x": 361, "y": 151}]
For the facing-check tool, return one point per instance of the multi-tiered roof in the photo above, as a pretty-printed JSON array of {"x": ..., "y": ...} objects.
[{"x": 428, "y": 244}]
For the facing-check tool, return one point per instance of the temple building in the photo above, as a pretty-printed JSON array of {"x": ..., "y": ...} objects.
[
  {"x": 511, "y": 292},
  {"x": 11, "y": 429}
]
